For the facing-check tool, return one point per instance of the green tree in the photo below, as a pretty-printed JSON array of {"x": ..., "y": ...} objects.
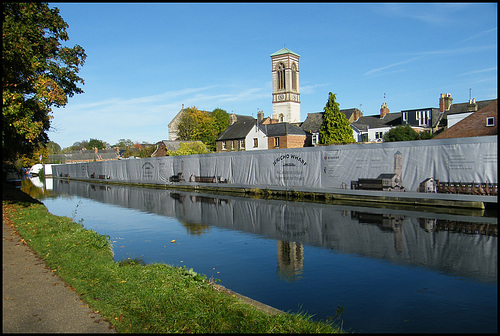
[
  {"x": 96, "y": 143},
  {"x": 188, "y": 148},
  {"x": 401, "y": 133},
  {"x": 38, "y": 73},
  {"x": 187, "y": 127},
  {"x": 203, "y": 126},
  {"x": 53, "y": 147},
  {"x": 220, "y": 119},
  {"x": 79, "y": 145},
  {"x": 335, "y": 128},
  {"x": 124, "y": 143}
]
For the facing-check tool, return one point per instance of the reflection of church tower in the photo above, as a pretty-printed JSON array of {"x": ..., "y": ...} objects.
[
  {"x": 398, "y": 167},
  {"x": 290, "y": 260},
  {"x": 286, "y": 93}
]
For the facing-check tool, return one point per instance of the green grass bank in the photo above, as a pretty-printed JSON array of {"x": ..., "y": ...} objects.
[{"x": 139, "y": 298}]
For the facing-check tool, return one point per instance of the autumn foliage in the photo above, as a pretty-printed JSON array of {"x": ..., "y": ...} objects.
[{"x": 38, "y": 73}]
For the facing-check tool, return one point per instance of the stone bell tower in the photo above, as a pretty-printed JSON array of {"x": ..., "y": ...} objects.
[{"x": 286, "y": 93}]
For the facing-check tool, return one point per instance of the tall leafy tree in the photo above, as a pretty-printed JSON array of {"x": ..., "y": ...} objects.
[
  {"x": 96, "y": 143},
  {"x": 335, "y": 128},
  {"x": 220, "y": 119},
  {"x": 203, "y": 126},
  {"x": 38, "y": 73}
]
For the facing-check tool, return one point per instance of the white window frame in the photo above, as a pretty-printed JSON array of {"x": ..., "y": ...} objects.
[
  {"x": 315, "y": 139},
  {"x": 490, "y": 121},
  {"x": 242, "y": 144},
  {"x": 405, "y": 116}
]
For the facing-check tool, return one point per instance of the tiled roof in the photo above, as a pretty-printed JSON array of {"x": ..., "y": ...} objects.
[
  {"x": 462, "y": 107},
  {"x": 474, "y": 125},
  {"x": 314, "y": 120},
  {"x": 239, "y": 129},
  {"x": 284, "y": 51},
  {"x": 282, "y": 129},
  {"x": 390, "y": 120}
]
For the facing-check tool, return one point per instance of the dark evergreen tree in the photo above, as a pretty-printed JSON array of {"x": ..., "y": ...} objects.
[{"x": 335, "y": 128}]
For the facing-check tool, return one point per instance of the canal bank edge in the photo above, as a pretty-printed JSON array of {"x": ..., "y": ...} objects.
[
  {"x": 314, "y": 194},
  {"x": 256, "y": 304}
]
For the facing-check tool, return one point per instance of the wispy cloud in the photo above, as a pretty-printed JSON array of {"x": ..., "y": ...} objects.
[
  {"x": 478, "y": 72},
  {"x": 478, "y": 35},
  {"x": 377, "y": 71},
  {"x": 146, "y": 116},
  {"x": 423, "y": 54},
  {"x": 437, "y": 13}
]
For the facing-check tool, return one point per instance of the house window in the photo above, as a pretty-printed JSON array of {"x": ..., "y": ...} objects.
[
  {"x": 255, "y": 142},
  {"x": 490, "y": 121},
  {"x": 232, "y": 144},
  {"x": 315, "y": 139},
  {"x": 405, "y": 116},
  {"x": 281, "y": 76},
  {"x": 379, "y": 135},
  {"x": 276, "y": 142},
  {"x": 224, "y": 145},
  {"x": 242, "y": 144},
  {"x": 423, "y": 117}
]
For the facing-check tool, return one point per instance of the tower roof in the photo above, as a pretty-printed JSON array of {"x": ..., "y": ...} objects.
[{"x": 284, "y": 51}]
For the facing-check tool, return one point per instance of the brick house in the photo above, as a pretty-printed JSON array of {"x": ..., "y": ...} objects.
[
  {"x": 244, "y": 133},
  {"x": 284, "y": 135},
  {"x": 480, "y": 123},
  {"x": 247, "y": 133}
]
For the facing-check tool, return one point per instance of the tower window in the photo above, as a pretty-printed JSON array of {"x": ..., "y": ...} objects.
[
  {"x": 294, "y": 77},
  {"x": 281, "y": 76}
]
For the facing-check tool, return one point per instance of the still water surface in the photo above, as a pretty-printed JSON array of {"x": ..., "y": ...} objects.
[{"x": 385, "y": 270}]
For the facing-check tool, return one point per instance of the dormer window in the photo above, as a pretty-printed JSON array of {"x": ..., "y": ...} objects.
[{"x": 490, "y": 121}]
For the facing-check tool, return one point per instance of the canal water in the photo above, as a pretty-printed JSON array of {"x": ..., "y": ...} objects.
[{"x": 372, "y": 270}]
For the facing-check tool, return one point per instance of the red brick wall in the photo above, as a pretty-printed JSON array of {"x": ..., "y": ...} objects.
[{"x": 287, "y": 141}]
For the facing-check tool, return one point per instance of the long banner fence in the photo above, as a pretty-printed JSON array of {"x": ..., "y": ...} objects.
[{"x": 460, "y": 165}]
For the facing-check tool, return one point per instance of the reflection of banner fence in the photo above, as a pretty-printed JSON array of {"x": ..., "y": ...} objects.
[{"x": 489, "y": 189}]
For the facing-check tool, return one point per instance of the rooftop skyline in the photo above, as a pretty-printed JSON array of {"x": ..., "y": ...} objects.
[{"x": 145, "y": 60}]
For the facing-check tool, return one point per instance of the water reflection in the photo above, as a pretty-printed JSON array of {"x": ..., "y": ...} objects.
[{"x": 462, "y": 245}]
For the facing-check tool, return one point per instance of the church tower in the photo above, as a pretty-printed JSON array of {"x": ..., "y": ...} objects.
[{"x": 286, "y": 93}]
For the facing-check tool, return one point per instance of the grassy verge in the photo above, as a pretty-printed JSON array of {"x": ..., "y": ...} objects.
[{"x": 134, "y": 297}]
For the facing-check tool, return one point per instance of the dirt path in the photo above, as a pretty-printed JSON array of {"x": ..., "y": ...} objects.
[{"x": 35, "y": 300}]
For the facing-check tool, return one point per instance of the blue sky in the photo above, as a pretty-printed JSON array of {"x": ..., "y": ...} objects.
[{"x": 144, "y": 60}]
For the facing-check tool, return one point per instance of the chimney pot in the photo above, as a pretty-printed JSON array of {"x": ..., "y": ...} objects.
[{"x": 384, "y": 110}]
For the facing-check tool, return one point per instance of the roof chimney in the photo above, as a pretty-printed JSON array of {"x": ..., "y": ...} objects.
[
  {"x": 232, "y": 119},
  {"x": 472, "y": 107},
  {"x": 384, "y": 110},
  {"x": 445, "y": 102},
  {"x": 260, "y": 116}
]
